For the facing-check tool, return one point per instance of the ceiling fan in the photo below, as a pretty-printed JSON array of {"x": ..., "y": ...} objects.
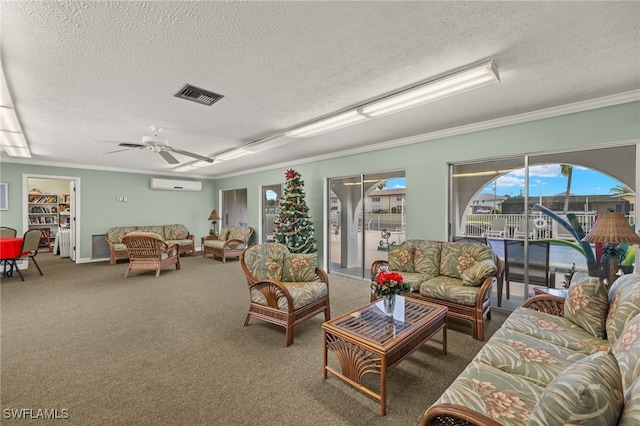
[{"x": 155, "y": 143}]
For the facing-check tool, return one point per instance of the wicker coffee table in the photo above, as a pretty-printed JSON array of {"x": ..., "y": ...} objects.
[{"x": 365, "y": 341}]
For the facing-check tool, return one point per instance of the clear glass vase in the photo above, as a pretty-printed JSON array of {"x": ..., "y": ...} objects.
[{"x": 389, "y": 306}]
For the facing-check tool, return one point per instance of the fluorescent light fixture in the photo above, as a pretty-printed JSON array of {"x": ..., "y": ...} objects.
[
  {"x": 234, "y": 153},
  {"x": 9, "y": 120},
  {"x": 332, "y": 123},
  {"x": 191, "y": 166},
  {"x": 12, "y": 139},
  {"x": 460, "y": 82}
]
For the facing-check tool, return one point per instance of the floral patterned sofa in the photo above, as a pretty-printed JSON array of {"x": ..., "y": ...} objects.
[
  {"x": 457, "y": 275},
  {"x": 555, "y": 362},
  {"x": 171, "y": 234}
]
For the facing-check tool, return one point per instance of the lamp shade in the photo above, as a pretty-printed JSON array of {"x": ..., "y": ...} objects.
[
  {"x": 214, "y": 216},
  {"x": 612, "y": 228}
]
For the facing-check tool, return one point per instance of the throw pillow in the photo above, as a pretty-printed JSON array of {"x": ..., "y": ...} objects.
[
  {"x": 458, "y": 257},
  {"x": 299, "y": 267},
  {"x": 587, "y": 304},
  {"x": 588, "y": 392},
  {"x": 224, "y": 233},
  {"x": 401, "y": 257},
  {"x": 475, "y": 275},
  {"x": 152, "y": 234},
  {"x": 426, "y": 258},
  {"x": 627, "y": 352}
]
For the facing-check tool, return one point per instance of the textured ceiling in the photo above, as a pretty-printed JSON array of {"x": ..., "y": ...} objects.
[{"x": 108, "y": 70}]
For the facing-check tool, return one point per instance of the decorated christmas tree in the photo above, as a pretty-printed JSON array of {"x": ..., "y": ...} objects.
[{"x": 293, "y": 225}]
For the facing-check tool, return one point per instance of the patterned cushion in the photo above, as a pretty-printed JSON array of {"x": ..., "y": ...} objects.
[
  {"x": 155, "y": 229},
  {"x": 175, "y": 232},
  {"x": 216, "y": 244},
  {"x": 426, "y": 257},
  {"x": 458, "y": 257},
  {"x": 301, "y": 293},
  {"x": 115, "y": 234},
  {"x": 151, "y": 234},
  {"x": 413, "y": 278},
  {"x": 587, "y": 393},
  {"x": 119, "y": 247},
  {"x": 631, "y": 411},
  {"x": 624, "y": 304},
  {"x": 239, "y": 233},
  {"x": 475, "y": 275},
  {"x": 401, "y": 257},
  {"x": 224, "y": 233},
  {"x": 557, "y": 330},
  {"x": 527, "y": 357},
  {"x": 627, "y": 351},
  {"x": 485, "y": 389},
  {"x": 265, "y": 261},
  {"x": 299, "y": 267},
  {"x": 451, "y": 289},
  {"x": 587, "y": 304}
]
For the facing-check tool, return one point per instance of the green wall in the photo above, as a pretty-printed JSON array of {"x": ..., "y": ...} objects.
[
  {"x": 99, "y": 209},
  {"x": 425, "y": 164}
]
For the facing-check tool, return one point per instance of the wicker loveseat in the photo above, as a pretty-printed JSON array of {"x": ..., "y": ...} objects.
[
  {"x": 457, "y": 275},
  {"x": 555, "y": 362},
  {"x": 231, "y": 242},
  {"x": 171, "y": 234}
]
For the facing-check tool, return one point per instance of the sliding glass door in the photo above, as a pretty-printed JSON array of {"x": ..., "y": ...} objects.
[
  {"x": 366, "y": 215},
  {"x": 533, "y": 198}
]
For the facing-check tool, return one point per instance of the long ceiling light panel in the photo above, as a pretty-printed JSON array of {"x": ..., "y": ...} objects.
[
  {"x": 12, "y": 139},
  {"x": 453, "y": 84},
  {"x": 460, "y": 82}
]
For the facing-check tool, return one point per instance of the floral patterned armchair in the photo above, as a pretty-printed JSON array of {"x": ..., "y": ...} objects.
[
  {"x": 285, "y": 289},
  {"x": 231, "y": 242}
]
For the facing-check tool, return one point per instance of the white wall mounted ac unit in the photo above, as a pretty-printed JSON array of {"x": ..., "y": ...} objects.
[{"x": 175, "y": 185}]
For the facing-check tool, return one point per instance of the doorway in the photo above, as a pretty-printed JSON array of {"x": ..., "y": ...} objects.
[{"x": 51, "y": 206}]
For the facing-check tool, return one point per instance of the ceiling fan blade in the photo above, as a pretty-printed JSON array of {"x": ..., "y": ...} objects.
[
  {"x": 191, "y": 154},
  {"x": 117, "y": 150},
  {"x": 168, "y": 157}
]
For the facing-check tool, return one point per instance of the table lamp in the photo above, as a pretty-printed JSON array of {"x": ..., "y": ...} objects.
[
  {"x": 214, "y": 218},
  {"x": 612, "y": 228}
]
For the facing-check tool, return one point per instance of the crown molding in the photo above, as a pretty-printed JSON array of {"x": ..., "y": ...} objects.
[{"x": 618, "y": 99}]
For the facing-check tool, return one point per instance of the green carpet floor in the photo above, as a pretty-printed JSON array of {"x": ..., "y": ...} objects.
[{"x": 173, "y": 351}]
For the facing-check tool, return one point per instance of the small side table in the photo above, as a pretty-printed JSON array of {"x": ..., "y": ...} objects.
[{"x": 552, "y": 291}]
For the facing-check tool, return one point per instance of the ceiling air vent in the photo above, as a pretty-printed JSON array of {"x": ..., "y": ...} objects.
[{"x": 201, "y": 96}]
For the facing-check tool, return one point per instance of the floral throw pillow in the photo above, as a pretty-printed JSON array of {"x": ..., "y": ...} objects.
[
  {"x": 587, "y": 304},
  {"x": 299, "y": 267},
  {"x": 401, "y": 258},
  {"x": 475, "y": 275},
  {"x": 588, "y": 392}
]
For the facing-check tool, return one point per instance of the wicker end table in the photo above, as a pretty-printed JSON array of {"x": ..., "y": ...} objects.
[{"x": 366, "y": 341}]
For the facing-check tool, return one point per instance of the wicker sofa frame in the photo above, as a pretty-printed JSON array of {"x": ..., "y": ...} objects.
[
  {"x": 115, "y": 254},
  {"x": 473, "y": 314}
]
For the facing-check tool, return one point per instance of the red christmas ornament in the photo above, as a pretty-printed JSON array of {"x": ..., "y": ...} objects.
[{"x": 290, "y": 174}]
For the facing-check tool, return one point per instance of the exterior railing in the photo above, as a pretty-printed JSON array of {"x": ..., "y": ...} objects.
[{"x": 543, "y": 225}]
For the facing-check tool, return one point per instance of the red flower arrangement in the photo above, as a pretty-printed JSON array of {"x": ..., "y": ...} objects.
[{"x": 389, "y": 284}]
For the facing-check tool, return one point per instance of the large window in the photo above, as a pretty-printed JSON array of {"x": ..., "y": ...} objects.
[{"x": 528, "y": 197}]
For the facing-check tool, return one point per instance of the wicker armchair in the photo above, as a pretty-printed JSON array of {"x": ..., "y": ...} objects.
[
  {"x": 285, "y": 289},
  {"x": 147, "y": 251},
  {"x": 230, "y": 243}
]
